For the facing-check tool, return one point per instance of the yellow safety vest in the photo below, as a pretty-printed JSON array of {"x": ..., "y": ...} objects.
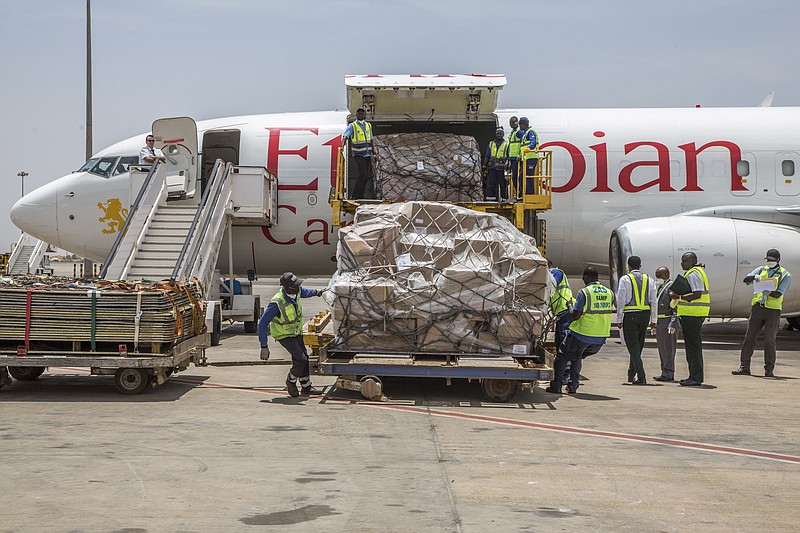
[
  {"x": 771, "y": 303},
  {"x": 529, "y": 153},
  {"x": 497, "y": 154},
  {"x": 361, "y": 141},
  {"x": 289, "y": 322},
  {"x": 595, "y": 321},
  {"x": 562, "y": 296},
  {"x": 640, "y": 294},
  {"x": 514, "y": 144},
  {"x": 700, "y": 307}
]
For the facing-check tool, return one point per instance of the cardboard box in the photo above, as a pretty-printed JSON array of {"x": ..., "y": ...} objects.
[{"x": 371, "y": 247}]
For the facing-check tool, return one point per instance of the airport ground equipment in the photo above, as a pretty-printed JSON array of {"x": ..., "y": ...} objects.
[
  {"x": 452, "y": 105},
  {"x": 183, "y": 215},
  {"x": 140, "y": 333},
  {"x": 28, "y": 257}
]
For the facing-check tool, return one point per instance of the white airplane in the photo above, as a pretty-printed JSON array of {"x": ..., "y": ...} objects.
[{"x": 649, "y": 182}]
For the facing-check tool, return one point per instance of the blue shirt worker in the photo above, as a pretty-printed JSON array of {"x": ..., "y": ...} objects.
[
  {"x": 637, "y": 310},
  {"x": 765, "y": 313},
  {"x": 693, "y": 309},
  {"x": 283, "y": 319},
  {"x": 529, "y": 152},
  {"x": 587, "y": 333},
  {"x": 495, "y": 161},
  {"x": 359, "y": 133},
  {"x": 666, "y": 327},
  {"x": 561, "y": 304},
  {"x": 514, "y": 144}
]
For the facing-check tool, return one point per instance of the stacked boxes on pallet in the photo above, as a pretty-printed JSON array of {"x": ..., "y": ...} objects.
[{"x": 432, "y": 277}]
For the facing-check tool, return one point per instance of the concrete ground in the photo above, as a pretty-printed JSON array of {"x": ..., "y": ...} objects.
[{"x": 226, "y": 449}]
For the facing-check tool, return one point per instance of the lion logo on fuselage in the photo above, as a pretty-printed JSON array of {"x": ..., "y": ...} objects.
[{"x": 113, "y": 213}]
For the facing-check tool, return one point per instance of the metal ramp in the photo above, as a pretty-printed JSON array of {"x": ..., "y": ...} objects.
[{"x": 28, "y": 256}]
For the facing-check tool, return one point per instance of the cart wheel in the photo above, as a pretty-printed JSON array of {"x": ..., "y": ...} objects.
[
  {"x": 25, "y": 373},
  {"x": 169, "y": 371},
  {"x": 499, "y": 390},
  {"x": 371, "y": 387},
  {"x": 217, "y": 333},
  {"x": 131, "y": 380},
  {"x": 252, "y": 327}
]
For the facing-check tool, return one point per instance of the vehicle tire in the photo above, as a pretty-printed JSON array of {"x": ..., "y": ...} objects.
[
  {"x": 499, "y": 390},
  {"x": 252, "y": 327},
  {"x": 794, "y": 322},
  {"x": 217, "y": 333},
  {"x": 371, "y": 387},
  {"x": 25, "y": 373},
  {"x": 131, "y": 380}
]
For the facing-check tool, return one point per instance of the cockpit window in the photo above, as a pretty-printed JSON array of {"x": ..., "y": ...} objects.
[
  {"x": 104, "y": 166},
  {"x": 86, "y": 166},
  {"x": 124, "y": 164}
]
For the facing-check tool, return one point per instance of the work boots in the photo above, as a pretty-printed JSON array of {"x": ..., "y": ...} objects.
[
  {"x": 741, "y": 371},
  {"x": 309, "y": 390},
  {"x": 291, "y": 386}
]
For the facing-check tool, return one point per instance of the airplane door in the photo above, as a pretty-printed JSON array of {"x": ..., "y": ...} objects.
[
  {"x": 787, "y": 182},
  {"x": 177, "y": 138},
  {"x": 746, "y": 171}
]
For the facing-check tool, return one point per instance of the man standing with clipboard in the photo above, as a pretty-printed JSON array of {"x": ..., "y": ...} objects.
[{"x": 766, "y": 311}]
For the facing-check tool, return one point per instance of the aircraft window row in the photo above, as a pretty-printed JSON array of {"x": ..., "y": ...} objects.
[
  {"x": 109, "y": 166},
  {"x": 86, "y": 166},
  {"x": 125, "y": 163}
]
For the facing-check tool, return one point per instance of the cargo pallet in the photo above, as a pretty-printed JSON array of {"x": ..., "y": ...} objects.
[
  {"x": 500, "y": 375},
  {"x": 133, "y": 372}
]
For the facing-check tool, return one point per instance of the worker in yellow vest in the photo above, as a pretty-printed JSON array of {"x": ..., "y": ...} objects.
[
  {"x": 283, "y": 319},
  {"x": 495, "y": 162},
  {"x": 529, "y": 153},
  {"x": 590, "y": 328},
  {"x": 359, "y": 133},
  {"x": 693, "y": 308},
  {"x": 514, "y": 144},
  {"x": 638, "y": 309},
  {"x": 765, "y": 312}
]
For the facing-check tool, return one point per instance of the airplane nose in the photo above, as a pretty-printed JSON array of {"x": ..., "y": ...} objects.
[{"x": 35, "y": 213}]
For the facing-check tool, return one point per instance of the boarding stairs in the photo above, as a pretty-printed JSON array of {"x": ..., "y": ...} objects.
[
  {"x": 174, "y": 234},
  {"x": 28, "y": 256}
]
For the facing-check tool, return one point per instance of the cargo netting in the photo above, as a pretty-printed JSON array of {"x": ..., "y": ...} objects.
[
  {"x": 438, "y": 278},
  {"x": 52, "y": 313},
  {"x": 427, "y": 166}
]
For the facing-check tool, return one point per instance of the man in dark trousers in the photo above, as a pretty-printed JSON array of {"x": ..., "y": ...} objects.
[
  {"x": 359, "y": 133},
  {"x": 495, "y": 162},
  {"x": 666, "y": 327},
  {"x": 283, "y": 319},
  {"x": 590, "y": 328},
  {"x": 636, "y": 296},
  {"x": 765, "y": 313},
  {"x": 693, "y": 308}
]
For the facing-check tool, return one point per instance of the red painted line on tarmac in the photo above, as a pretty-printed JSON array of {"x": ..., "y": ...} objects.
[{"x": 675, "y": 443}]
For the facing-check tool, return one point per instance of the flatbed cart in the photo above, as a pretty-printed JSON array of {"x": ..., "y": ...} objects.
[
  {"x": 500, "y": 375},
  {"x": 133, "y": 372}
]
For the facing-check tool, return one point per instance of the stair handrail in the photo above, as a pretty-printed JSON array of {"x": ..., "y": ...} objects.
[
  {"x": 212, "y": 185},
  {"x": 142, "y": 234},
  {"x": 202, "y": 266},
  {"x": 21, "y": 243},
  {"x": 131, "y": 212},
  {"x": 35, "y": 260}
]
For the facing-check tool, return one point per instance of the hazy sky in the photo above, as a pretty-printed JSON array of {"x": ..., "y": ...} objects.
[{"x": 206, "y": 59}]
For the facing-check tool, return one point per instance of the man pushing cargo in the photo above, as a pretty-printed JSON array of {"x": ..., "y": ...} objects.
[{"x": 283, "y": 319}]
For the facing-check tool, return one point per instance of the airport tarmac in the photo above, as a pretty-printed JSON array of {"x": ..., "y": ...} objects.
[{"x": 226, "y": 449}]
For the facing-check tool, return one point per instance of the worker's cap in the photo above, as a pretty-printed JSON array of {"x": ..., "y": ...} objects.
[
  {"x": 360, "y": 110},
  {"x": 499, "y": 130},
  {"x": 524, "y": 120},
  {"x": 773, "y": 255},
  {"x": 290, "y": 280}
]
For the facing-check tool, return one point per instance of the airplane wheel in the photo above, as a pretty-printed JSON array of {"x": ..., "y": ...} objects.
[
  {"x": 131, "y": 380},
  {"x": 25, "y": 373},
  {"x": 499, "y": 390}
]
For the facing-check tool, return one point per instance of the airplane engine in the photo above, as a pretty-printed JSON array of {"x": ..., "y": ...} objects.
[{"x": 729, "y": 248}]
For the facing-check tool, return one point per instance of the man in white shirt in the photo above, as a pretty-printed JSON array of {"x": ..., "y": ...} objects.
[
  {"x": 637, "y": 308},
  {"x": 149, "y": 153}
]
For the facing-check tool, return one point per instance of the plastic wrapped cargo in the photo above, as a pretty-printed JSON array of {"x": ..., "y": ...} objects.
[{"x": 432, "y": 277}]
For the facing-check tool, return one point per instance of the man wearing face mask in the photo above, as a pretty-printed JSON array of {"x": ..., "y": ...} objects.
[
  {"x": 666, "y": 327},
  {"x": 765, "y": 313},
  {"x": 283, "y": 319}
]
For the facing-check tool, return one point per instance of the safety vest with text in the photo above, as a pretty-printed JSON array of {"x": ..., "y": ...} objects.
[
  {"x": 640, "y": 292},
  {"x": 595, "y": 321},
  {"x": 289, "y": 322},
  {"x": 771, "y": 303},
  {"x": 361, "y": 141},
  {"x": 562, "y": 296},
  {"x": 700, "y": 307}
]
